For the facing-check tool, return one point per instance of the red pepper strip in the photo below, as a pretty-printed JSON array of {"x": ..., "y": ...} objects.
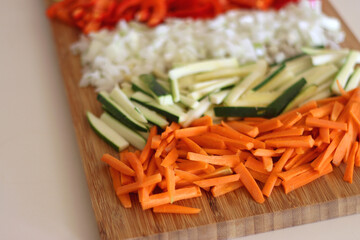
[
  {"x": 143, "y": 14},
  {"x": 124, "y": 5},
  {"x": 282, "y": 3},
  {"x": 264, "y": 4},
  {"x": 204, "y": 11},
  {"x": 129, "y": 14},
  {"x": 159, "y": 9}
]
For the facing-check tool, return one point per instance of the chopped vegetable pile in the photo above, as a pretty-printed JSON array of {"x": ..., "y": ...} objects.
[
  {"x": 259, "y": 154},
  {"x": 91, "y": 16}
]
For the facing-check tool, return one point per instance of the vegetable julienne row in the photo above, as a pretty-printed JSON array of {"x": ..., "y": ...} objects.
[{"x": 291, "y": 150}]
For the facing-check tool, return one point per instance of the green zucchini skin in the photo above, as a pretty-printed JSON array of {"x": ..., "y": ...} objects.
[
  {"x": 119, "y": 114},
  {"x": 260, "y": 85},
  {"x": 280, "y": 103}
]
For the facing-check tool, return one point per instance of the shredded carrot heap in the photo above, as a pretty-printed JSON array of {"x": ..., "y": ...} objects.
[{"x": 290, "y": 150}]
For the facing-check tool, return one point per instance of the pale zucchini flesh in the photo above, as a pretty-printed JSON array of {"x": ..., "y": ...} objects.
[
  {"x": 303, "y": 95},
  {"x": 152, "y": 116},
  {"x": 354, "y": 80}
]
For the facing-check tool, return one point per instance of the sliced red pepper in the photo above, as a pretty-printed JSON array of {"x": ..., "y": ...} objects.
[
  {"x": 282, "y": 3},
  {"x": 159, "y": 9}
]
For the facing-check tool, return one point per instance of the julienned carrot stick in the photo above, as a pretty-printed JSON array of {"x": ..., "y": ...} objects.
[
  {"x": 251, "y": 131},
  {"x": 161, "y": 148},
  {"x": 302, "y": 109},
  {"x": 203, "y": 121},
  {"x": 219, "y": 180},
  {"x": 187, "y": 175},
  {"x": 261, "y": 152},
  {"x": 255, "y": 165},
  {"x": 155, "y": 142},
  {"x": 337, "y": 109},
  {"x": 262, "y": 177},
  {"x": 324, "y": 134},
  {"x": 269, "y": 125},
  {"x": 221, "y": 171},
  {"x": 225, "y": 160},
  {"x": 315, "y": 122},
  {"x": 193, "y": 146},
  {"x": 249, "y": 183},
  {"x": 156, "y": 178},
  {"x": 191, "y": 165},
  {"x": 291, "y": 120},
  {"x": 341, "y": 149},
  {"x": 163, "y": 198},
  {"x": 287, "y": 175},
  {"x": 349, "y": 171},
  {"x": 117, "y": 164},
  {"x": 297, "y": 141},
  {"x": 124, "y": 198},
  {"x": 279, "y": 165},
  {"x": 215, "y": 151},
  {"x": 221, "y": 189},
  {"x": 301, "y": 159},
  {"x": 283, "y": 133},
  {"x": 190, "y": 132},
  {"x": 170, "y": 182},
  {"x": 304, "y": 179},
  {"x": 170, "y": 158},
  {"x": 268, "y": 163},
  {"x": 172, "y": 208},
  {"x": 136, "y": 165},
  {"x": 322, "y": 111},
  {"x": 146, "y": 152},
  {"x": 208, "y": 141}
]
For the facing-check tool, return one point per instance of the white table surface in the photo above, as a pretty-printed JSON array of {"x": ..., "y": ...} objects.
[{"x": 43, "y": 190}]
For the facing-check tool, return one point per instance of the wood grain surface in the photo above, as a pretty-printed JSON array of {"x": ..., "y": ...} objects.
[{"x": 229, "y": 216}]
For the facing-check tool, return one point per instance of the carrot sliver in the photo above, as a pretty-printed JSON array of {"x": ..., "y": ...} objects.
[
  {"x": 191, "y": 165},
  {"x": 146, "y": 152},
  {"x": 136, "y": 165},
  {"x": 244, "y": 128},
  {"x": 208, "y": 141},
  {"x": 203, "y": 121},
  {"x": 268, "y": 163},
  {"x": 302, "y": 109},
  {"x": 219, "y": 190},
  {"x": 170, "y": 182},
  {"x": 301, "y": 159},
  {"x": 287, "y": 175},
  {"x": 304, "y": 179},
  {"x": 177, "y": 209},
  {"x": 124, "y": 198},
  {"x": 341, "y": 149},
  {"x": 297, "y": 141},
  {"x": 193, "y": 146},
  {"x": 222, "y": 171},
  {"x": 315, "y": 122},
  {"x": 349, "y": 171},
  {"x": 156, "y": 178},
  {"x": 190, "y": 132},
  {"x": 219, "y": 180},
  {"x": 249, "y": 183},
  {"x": 187, "y": 175},
  {"x": 261, "y": 152},
  {"x": 255, "y": 165},
  {"x": 170, "y": 158},
  {"x": 279, "y": 165},
  {"x": 215, "y": 151},
  {"x": 291, "y": 120},
  {"x": 161, "y": 148},
  {"x": 322, "y": 111},
  {"x": 324, "y": 134},
  {"x": 336, "y": 111},
  {"x": 269, "y": 125},
  {"x": 225, "y": 160},
  {"x": 283, "y": 133},
  {"x": 155, "y": 141},
  {"x": 163, "y": 198},
  {"x": 320, "y": 162},
  {"x": 117, "y": 164}
]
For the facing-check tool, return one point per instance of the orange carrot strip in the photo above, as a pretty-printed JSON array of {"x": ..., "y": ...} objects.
[
  {"x": 155, "y": 141},
  {"x": 136, "y": 165},
  {"x": 219, "y": 180},
  {"x": 279, "y": 165},
  {"x": 255, "y": 165},
  {"x": 228, "y": 132},
  {"x": 186, "y": 175},
  {"x": 262, "y": 177},
  {"x": 268, "y": 163},
  {"x": 170, "y": 146},
  {"x": 170, "y": 137},
  {"x": 261, "y": 152},
  {"x": 291, "y": 120},
  {"x": 321, "y": 161},
  {"x": 164, "y": 183},
  {"x": 303, "y": 159},
  {"x": 238, "y": 144},
  {"x": 158, "y": 165},
  {"x": 296, "y": 141},
  {"x": 341, "y": 89},
  {"x": 209, "y": 169},
  {"x": 190, "y": 132},
  {"x": 218, "y": 151},
  {"x": 287, "y": 175},
  {"x": 153, "y": 179},
  {"x": 219, "y": 172},
  {"x": 177, "y": 209},
  {"x": 193, "y": 146},
  {"x": 339, "y": 99},
  {"x": 341, "y": 149},
  {"x": 221, "y": 189},
  {"x": 170, "y": 158},
  {"x": 269, "y": 125},
  {"x": 170, "y": 182},
  {"x": 124, "y": 198},
  {"x": 163, "y": 198},
  {"x": 188, "y": 165},
  {"x": 303, "y": 109},
  {"x": 249, "y": 183},
  {"x": 146, "y": 152},
  {"x": 300, "y": 150},
  {"x": 254, "y": 119},
  {"x": 125, "y": 179},
  {"x": 304, "y": 179},
  {"x": 244, "y": 128},
  {"x": 315, "y": 122},
  {"x": 357, "y": 157},
  {"x": 203, "y": 121},
  {"x": 324, "y": 135},
  {"x": 225, "y": 160},
  {"x": 208, "y": 141},
  {"x": 322, "y": 111},
  {"x": 283, "y": 133},
  {"x": 349, "y": 171},
  {"x": 117, "y": 164},
  {"x": 161, "y": 148},
  {"x": 337, "y": 109}
]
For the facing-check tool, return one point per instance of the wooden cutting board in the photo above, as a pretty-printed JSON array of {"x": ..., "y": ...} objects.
[{"x": 229, "y": 216}]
